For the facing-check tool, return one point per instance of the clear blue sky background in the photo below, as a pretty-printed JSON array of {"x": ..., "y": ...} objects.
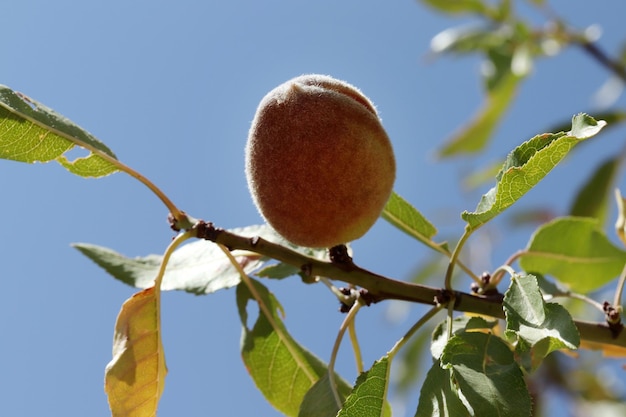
[{"x": 172, "y": 88}]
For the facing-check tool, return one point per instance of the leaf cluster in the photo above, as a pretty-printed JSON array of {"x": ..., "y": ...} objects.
[{"x": 480, "y": 364}]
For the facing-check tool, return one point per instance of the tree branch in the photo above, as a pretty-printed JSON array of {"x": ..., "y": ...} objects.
[
  {"x": 381, "y": 288},
  {"x": 602, "y": 57}
]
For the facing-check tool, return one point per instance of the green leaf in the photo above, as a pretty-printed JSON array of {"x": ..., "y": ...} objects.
[
  {"x": 438, "y": 397},
  {"x": 528, "y": 164},
  {"x": 458, "y": 6},
  {"x": 585, "y": 126},
  {"x": 612, "y": 118},
  {"x": 459, "y": 324},
  {"x": 199, "y": 267},
  {"x": 368, "y": 398},
  {"x": 509, "y": 52},
  {"x": 486, "y": 376},
  {"x": 539, "y": 327},
  {"x": 407, "y": 218},
  {"x": 282, "y": 370},
  {"x": 592, "y": 200},
  {"x": 278, "y": 271},
  {"x": 576, "y": 252},
  {"x": 465, "y": 39},
  {"x": 475, "y": 136},
  {"x": 31, "y": 132},
  {"x": 319, "y": 401}
]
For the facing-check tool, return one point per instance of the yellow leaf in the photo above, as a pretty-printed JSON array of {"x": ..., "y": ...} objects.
[{"x": 135, "y": 377}]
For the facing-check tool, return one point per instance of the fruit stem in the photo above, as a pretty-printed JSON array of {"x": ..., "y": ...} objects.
[{"x": 333, "y": 356}]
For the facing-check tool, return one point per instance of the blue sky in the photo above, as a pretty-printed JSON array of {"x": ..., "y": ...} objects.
[{"x": 172, "y": 90}]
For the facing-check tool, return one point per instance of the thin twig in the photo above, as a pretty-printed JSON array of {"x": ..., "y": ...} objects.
[
  {"x": 333, "y": 356},
  {"x": 497, "y": 275},
  {"x": 356, "y": 348},
  {"x": 423, "y": 320},
  {"x": 602, "y": 57}
]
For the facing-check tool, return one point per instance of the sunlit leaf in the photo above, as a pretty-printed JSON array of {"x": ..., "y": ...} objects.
[
  {"x": 438, "y": 397},
  {"x": 199, "y": 267},
  {"x": 508, "y": 52},
  {"x": 486, "y": 376},
  {"x": 407, "y": 218},
  {"x": 474, "y": 136},
  {"x": 576, "y": 252},
  {"x": 528, "y": 164},
  {"x": 31, "y": 132},
  {"x": 538, "y": 327},
  {"x": 613, "y": 119},
  {"x": 465, "y": 39},
  {"x": 458, "y": 6},
  {"x": 282, "y": 369},
  {"x": 368, "y": 398},
  {"x": 459, "y": 324},
  {"x": 135, "y": 377}
]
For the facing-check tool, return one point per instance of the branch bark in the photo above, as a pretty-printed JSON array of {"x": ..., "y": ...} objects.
[
  {"x": 603, "y": 58},
  {"x": 382, "y": 288}
]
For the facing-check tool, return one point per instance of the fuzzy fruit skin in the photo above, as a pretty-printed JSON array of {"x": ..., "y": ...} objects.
[{"x": 319, "y": 165}]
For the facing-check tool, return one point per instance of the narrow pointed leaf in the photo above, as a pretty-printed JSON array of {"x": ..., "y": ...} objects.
[
  {"x": 576, "y": 252},
  {"x": 407, "y": 218},
  {"x": 457, "y": 6},
  {"x": 135, "y": 377},
  {"x": 475, "y": 136},
  {"x": 438, "y": 397},
  {"x": 592, "y": 200},
  {"x": 199, "y": 267},
  {"x": 488, "y": 380},
  {"x": 528, "y": 164},
  {"x": 465, "y": 39},
  {"x": 539, "y": 327},
  {"x": 282, "y": 370},
  {"x": 31, "y": 132},
  {"x": 368, "y": 398}
]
